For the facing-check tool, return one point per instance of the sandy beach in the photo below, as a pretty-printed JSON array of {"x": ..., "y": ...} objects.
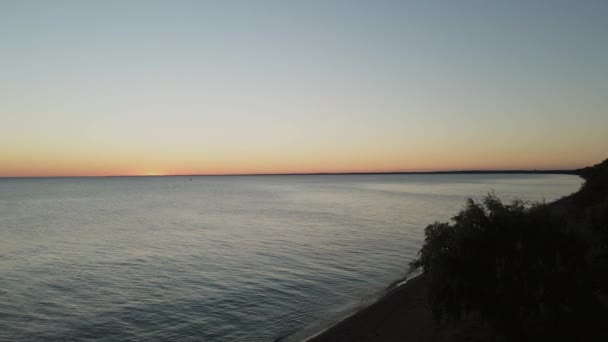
[{"x": 401, "y": 315}]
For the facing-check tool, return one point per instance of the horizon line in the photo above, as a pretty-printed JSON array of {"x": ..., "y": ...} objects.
[{"x": 435, "y": 172}]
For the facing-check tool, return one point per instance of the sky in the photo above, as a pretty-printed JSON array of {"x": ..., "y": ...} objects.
[{"x": 225, "y": 87}]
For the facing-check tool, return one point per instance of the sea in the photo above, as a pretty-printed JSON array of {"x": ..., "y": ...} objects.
[{"x": 218, "y": 258}]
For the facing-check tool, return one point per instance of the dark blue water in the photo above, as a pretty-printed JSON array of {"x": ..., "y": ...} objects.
[{"x": 217, "y": 258}]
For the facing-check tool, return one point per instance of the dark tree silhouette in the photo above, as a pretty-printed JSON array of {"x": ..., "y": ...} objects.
[{"x": 517, "y": 265}]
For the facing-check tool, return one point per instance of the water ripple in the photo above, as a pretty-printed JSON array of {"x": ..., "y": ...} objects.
[{"x": 216, "y": 258}]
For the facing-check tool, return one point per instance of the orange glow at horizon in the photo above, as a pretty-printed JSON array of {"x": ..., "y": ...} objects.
[{"x": 99, "y": 164}]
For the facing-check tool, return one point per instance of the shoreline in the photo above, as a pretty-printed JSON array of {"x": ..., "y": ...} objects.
[
  {"x": 395, "y": 286},
  {"x": 402, "y": 314}
]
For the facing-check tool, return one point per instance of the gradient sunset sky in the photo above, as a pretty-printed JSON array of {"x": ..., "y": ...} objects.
[{"x": 216, "y": 87}]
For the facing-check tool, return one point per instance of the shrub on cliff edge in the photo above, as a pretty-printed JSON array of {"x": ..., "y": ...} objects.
[{"x": 515, "y": 264}]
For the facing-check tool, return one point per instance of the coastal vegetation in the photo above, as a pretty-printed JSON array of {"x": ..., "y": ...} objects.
[{"x": 529, "y": 270}]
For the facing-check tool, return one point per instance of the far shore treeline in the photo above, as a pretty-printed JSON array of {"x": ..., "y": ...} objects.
[{"x": 530, "y": 271}]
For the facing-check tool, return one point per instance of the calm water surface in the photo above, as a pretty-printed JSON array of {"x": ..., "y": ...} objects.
[{"x": 252, "y": 258}]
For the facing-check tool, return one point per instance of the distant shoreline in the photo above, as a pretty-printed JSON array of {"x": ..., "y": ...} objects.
[{"x": 575, "y": 172}]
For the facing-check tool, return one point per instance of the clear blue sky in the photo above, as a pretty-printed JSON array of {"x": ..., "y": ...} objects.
[{"x": 158, "y": 87}]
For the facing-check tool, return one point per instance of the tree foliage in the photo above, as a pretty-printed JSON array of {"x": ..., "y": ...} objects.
[
  {"x": 515, "y": 264},
  {"x": 592, "y": 204}
]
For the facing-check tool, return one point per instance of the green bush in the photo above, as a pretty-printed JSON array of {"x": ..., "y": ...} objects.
[{"x": 515, "y": 264}]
